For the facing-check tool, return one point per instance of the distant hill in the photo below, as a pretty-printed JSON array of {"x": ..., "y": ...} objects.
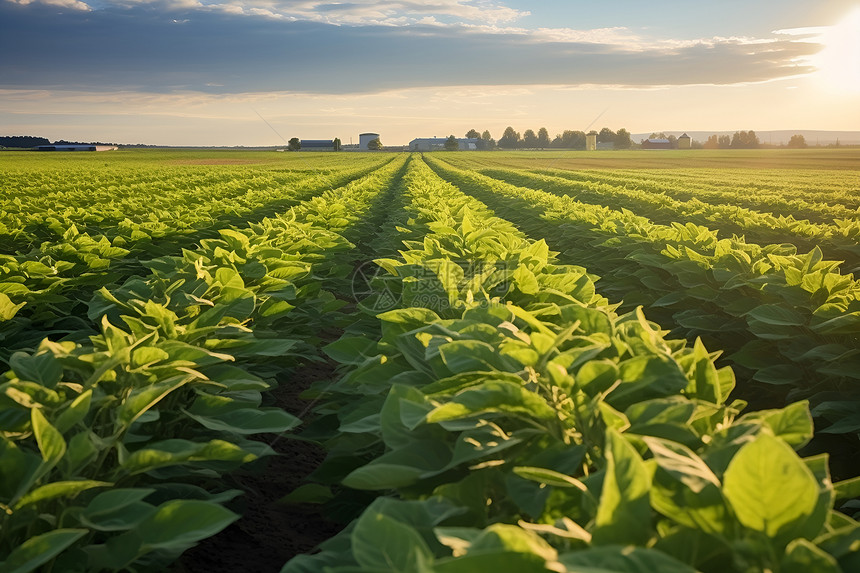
[{"x": 777, "y": 137}]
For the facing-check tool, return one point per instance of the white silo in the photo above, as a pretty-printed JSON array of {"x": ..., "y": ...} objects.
[{"x": 365, "y": 138}]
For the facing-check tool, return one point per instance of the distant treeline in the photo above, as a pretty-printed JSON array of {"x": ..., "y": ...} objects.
[
  {"x": 568, "y": 139},
  {"x": 27, "y": 141},
  {"x": 22, "y": 141}
]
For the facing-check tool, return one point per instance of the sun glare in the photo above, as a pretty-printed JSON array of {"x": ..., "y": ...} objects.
[{"x": 838, "y": 62}]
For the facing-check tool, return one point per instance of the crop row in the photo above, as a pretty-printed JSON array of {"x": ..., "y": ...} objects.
[
  {"x": 790, "y": 321},
  {"x": 45, "y": 290},
  {"x": 112, "y": 449},
  {"x": 128, "y": 204},
  {"x": 818, "y": 195},
  {"x": 514, "y": 421},
  {"x": 839, "y": 239}
]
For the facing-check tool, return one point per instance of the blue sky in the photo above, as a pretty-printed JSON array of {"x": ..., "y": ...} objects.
[{"x": 196, "y": 72}]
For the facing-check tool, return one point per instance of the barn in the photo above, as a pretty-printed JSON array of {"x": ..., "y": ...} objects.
[
  {"x": 318, "y": 145},
  {"x": 656, "y": 144}
]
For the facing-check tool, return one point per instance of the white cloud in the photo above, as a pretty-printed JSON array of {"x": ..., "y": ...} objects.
[{"x": 72, "y": 4}]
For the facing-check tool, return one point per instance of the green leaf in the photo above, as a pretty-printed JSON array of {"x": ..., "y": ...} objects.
[
  {"x": 468, "y": 355},
  {"x": 39, "y": 550},
  {"x": 549, "y": 477},
  {"x": 43, "y": 368},
  {"x": 401, "y": 467},
  {"x": 309, "y": 493},
  {"x": 74, "y": 412},
  {"x": 59, "y": 489},
  {"x": 352, "y": 349},
  {"x": 51, "y": 443},
  {"x": 848, "y": 488},
  {"x": 686, "y": 490},
  {"x": 618, "y": 559},
  {"x": 144, "y": 356},
  {"x": 493, "y": 396},
  {"x": 525, "y": 280},
  {"x": 248, "y": 421},
  {"x": 382, "y": 543},
  {"x": 749, "y": 481},
  {"x": 802, "y": 556},
  {"x": 7, "y": 308},
  {"x": 142, "y": 399},
  {"x": 624, "y": 512},
  {"x": 497, "y": 562},
  {"x": 109, "y": 503},
  {"x": 777, "y": 315},
  {"x": 792, "y": 423},
  {"x": 646, "y": 377},
  {"x": 682, "y": 464},
  {"x": 173, "y": 452},
  {"x": 178, "y": 524}
]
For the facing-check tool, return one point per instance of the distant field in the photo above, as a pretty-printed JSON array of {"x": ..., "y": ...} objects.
[
  {"x": 686, "y": 159},
  {"x": 583, "y": 355}
]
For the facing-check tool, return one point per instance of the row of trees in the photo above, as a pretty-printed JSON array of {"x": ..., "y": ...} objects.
[
  {"x": 568, "y": 139},
  {"x": 511, "y": 139},
  {"x": 740, "y": 140}
]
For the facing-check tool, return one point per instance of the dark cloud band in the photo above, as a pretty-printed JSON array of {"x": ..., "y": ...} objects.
[{"x": 150, "y": 50}]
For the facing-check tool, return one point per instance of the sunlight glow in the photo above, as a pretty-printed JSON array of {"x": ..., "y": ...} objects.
[{"x": 839, "y": 61}]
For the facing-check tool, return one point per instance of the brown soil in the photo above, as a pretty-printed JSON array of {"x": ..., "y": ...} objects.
[{"x": 270, "y": 533}]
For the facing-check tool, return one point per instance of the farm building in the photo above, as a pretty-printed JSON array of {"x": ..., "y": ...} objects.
[
  {"x": 317, "y": 145},
  {"x": 684, "y": 142},
  {"x": 438, "y": 144},
  {"x": 364, "y": 139},
  {"x": 69, "y": 147},
  {"x": 656, "y": 144}
]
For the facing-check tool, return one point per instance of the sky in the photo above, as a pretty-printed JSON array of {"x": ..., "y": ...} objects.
[{"x": 258, "y": 72}]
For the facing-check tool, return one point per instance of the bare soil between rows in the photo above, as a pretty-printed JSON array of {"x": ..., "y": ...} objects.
[{"x": 270, "y": 533}]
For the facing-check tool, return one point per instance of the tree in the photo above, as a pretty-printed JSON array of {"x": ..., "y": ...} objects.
[
  {"x": 337, "y": 144},
  {"x": 374, "y": 144},
  {"x": 510, "y": 139},
  {"x": 543, "y": 138},
  {"x": 294, "y": 144},
  {"x": 487, "y": 142},
  {"x": 473, "y": 134},
  {"x": 572, "y": 139},
  {"x": 797, "y": 141},
  {"x": 623, "y": 139},
  {"x": 745, "y": 140},
  {"x": 606, "y": 135},
  {"x": 712, "y": 142},
  {"x": 530, "y": 140},
  {"x": 451, "y": 144},
  {"x": 23, "y": 141},
  {"x": 724, "y": 141}
]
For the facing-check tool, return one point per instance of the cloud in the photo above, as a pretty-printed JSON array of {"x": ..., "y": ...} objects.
[
  {"x": 145, "y": 47},
  {"x": 355, "y": 12},
  {"x": 73, "y": 4}
]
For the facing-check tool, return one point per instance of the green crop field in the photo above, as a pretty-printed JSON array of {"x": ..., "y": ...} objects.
[{"x": 449, "y": 362}]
